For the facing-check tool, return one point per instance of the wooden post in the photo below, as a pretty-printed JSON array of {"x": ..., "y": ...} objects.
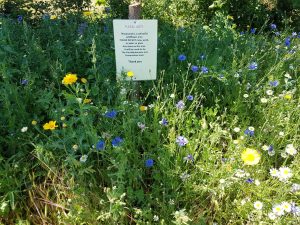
[{"x": 135, "y": 10}]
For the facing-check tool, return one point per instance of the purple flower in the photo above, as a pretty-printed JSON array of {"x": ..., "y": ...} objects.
[
  {"x": 181, "y": 57},
  {"x": 253, "y": 66},
  {"x": 164, "y": 122},
  {"x": 111, "y": 114},
  {"x": 190, "y": 97},
  {"x": 295, "y": 210},
  {"x": 189, "y": 157},
  {"x": 274, "y": 83},
  {"x": 273, "y": 26},
  {"x": 287, "y": 42},
  {"x": 100, "y": 145},
  {"x": 249, "y": 132},
  {"x": 204, "y": 69},
  {"x": 252, "y": 30},
  {"x": 149, "y": 163},
  {"x": 180, "y": 105},
  {"x": 249, "y": 180},
  {"x": 181, "y": 141},
  {"x": 294, "y": 34},
  {"x": 242, "y": 32},
  {"x": 24, "y": 82},
  {"x": 116, "y": 141},
  {"x": 20, "y": 18},
  {"x": 195, "y": 69}
]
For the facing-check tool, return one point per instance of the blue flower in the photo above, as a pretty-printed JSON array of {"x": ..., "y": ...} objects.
[
  {"x": 195, "y": 69},
  {"x": 181, "y": 141},
  {"x": 180, "y": 105},
  {"x": 190, "y": 97},
  {"x": 107, "y": 9},
  {"x": 294, "y": 34},
  {"x": 277, "y": 33},
  {"x": 20, "y": 18},
  {"x": 249, "y": 132},
  {"x": 149, "y": 163},
  {"x": 242, "y": 32},
  {"x": 204, "y": 69},
  {"x": 24, "y": 82},
  {"x": 189, "y": 157},
  {"x": 164, "y": 122},
  {"x": 111, "y": 114},
  {"x": 252, "y": 30},
  {"x": 274, "y": 83},
  {"x": 273, "y": 26},
  {"x": 253, "y": 66},
  {"x": 100, "y": 145},
  {"x": 181, "y": 57},
  {"x": 249, "y": 180},
  {"x": 116, "y": 141},
  {"x": 287, "y": 41}
]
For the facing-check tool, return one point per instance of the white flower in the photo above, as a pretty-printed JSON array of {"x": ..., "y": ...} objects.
[
  {"x": 172, "y": 95},
  {"x": 269, "y": 92},
  {"x": 265, "y": 147},
  {"x": 257, "y": 182},
  {"x": 151, "y": 106},
  {"x": 181, "y": 217},
  {"x": 272, "y": 216},
  {"x": 290, "y": 149},
  {"x": 236, "y": 129},
  {"x": 79, "y": 100},
  {"x": 246, "y": 95},
  {"x": 258, "y": 205},
  {"x": 243, "y": 202},
  {"x": 240, "y": 173},
  {"x": 83, "y": 158},
  {"x": 155, "y": 218},
  {"x": 251, "y": 128},
  {"x": 274, "y": 172},
  {"x": 286, "y": 206},
  {"x": 75, "y": 147},
  {"x": 285, "y": 173},
  {"x": 264, "y": 100},
  {"x": 278, "y": 210},
  {"x": 236, "y": 142},
  {"x": 24, "y": 129},
  {"x": 281, "y": 133}
]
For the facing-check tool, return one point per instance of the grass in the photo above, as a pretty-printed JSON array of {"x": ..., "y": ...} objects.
[{"x": 95, "y": 167}]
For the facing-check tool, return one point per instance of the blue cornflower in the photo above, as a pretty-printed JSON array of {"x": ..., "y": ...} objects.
[
  {"x": 242, "y": 32},
  {"x": 252, "y": 30},
  {"x": 249, "y": 131},
  {"x": 100, "y": 145},
  {"x": 189, "y": 157},
  {"x": 253, "y": 66},
  {"x": 149, "y": 163},
  {"x": 277, "y": 33},
  {"x": 204, "y": 69},
  {"x": 20, "y": 18},
  {"x": 116, "y": 141},
  {"x": 274, "y": 83},
  {"x": 273, "y": 26},
  {"x": 190, "y": 97},
  {"x": 202, "y": 56},
  {"x": 164, "y": 122},
  {"x": 181, "y": 57},
  {"x": 111, "y": 114},
  {"x": 24, "y": 82},
  {"x": 250, "y": 180},
  {"x": 180, "y": 105},
  {"x": 195, "y": 69},
  {"x": 287, "y": 41},
  {"x": 181, "y": 141},
  {"x": 294, "y": 34}
]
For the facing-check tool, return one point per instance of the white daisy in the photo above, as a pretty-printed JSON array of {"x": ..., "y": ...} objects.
[
  {"x": 269, "y": 92},
  {"x": 274, "y": 172},
  {"x": 278, "y": 210},
  {"x": 286, "y": 206},
  {"x": 285, "y": 173},
  {"x": 290, "y": 149},
  {"x": 258, "y": 205}
]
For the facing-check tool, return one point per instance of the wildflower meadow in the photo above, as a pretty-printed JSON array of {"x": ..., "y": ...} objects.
[{"x": 215, "y": 139}]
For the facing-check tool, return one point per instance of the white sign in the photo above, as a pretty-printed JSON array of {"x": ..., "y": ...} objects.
[{"x": 136, "y": 48}]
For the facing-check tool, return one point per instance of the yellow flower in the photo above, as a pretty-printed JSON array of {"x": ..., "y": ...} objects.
[
  {"x": 288, "y": 96},
  {"x": 83, "y": 80},
  {"x": 87, "y": 13},
  {"x": 53, "y": 17},
  {"x": 70, "y": 78},
  {"x": 33, "y": 122},
  {"x": 62, "y": 118},
  {"x": 250, "y": 156},
  {"x": 51, "y": 125},
  {"x": 130, "y": 74},
  {"x": 143, "y": 108},
  {"x": 230, "y": 17},
  {"x": 87, "y": 100}
]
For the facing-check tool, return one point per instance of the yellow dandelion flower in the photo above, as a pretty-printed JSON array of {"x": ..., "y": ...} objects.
[
  {"x": 83, "y": 80},
  {"x": 143, "y": 108},
  {"x": 130, "y": 74},
  {"x": 51, "y": 125},
  {"x": 70, "y": 78},
  {"x": 288, "y": 96},
  {"x": 33, "y": 122},
  {"x": 250, "y": 156},
  {"x": 53, "y": 17},
  {"x": 87, "y": 13},
  {"x": 87, "y": 101}
]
